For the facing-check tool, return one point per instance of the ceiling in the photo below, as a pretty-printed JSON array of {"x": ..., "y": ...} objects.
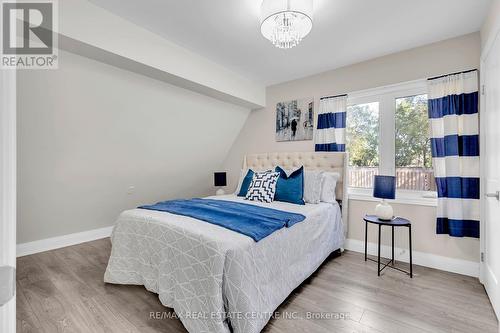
[{"x": 344, "y": 32}]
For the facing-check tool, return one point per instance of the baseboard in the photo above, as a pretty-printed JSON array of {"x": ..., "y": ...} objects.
[
  {"x": 48, "y": 244},
  {"x": 459, "y": 266},
  {"x": 453, "y": 265},
  {"x": 8, "y": 317}
]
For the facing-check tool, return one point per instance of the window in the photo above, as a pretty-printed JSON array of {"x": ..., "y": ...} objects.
[
  {"x": 387, "y": 133},
  {"x": 362, "y": 140},
  {"x": 413, "y": 150}
]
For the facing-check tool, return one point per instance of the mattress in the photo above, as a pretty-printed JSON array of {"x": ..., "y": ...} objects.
[{"x": 215, "y": 279}]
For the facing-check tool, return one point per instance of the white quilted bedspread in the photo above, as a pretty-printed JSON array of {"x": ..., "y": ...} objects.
[{"x": 215, "y": 279}]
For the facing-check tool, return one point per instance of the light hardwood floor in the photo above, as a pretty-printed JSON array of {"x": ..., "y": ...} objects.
[{"x": 63, "y": 291}]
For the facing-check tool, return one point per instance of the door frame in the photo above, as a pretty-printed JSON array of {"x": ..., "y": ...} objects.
[
  {"x": 488, "y": 45},
  {"x": 484, "y": 271},
  {"x": 8, "y": 187},
  {"x": 482, "y": 173},
  {"x": 494, "y": 36}
]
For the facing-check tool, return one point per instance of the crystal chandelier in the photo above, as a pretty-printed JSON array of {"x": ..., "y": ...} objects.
[{"x": 286, "y": 22}]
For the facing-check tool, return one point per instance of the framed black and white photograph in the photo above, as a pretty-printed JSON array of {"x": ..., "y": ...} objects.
[{"x": 295, "y": 120}]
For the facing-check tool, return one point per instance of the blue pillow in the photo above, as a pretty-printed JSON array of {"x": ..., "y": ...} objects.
[
  {"x": 290, "y": 188},
  {"x": 245, "y": 184}
]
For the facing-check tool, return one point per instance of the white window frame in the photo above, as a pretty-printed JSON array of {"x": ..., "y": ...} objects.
[{"x": 386, "y": 97}]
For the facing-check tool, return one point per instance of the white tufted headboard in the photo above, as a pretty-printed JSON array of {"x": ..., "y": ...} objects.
[{"x": 326, "y": 161}]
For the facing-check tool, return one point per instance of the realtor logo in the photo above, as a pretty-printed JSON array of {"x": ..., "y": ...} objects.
[{"x": 28, "y": 35}]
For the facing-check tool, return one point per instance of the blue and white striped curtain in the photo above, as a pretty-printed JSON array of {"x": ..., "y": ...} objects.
[
  {"x": 454, "y": 118},
  {"x": 330, "y": 130}
]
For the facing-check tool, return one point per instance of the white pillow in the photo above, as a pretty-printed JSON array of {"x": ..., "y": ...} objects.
[
  {"x": 328, "y": 185},
  {"x": 263, "y": 187},
  {"x": 312, "y": 186},
  {"x": 240, "y": 181}
]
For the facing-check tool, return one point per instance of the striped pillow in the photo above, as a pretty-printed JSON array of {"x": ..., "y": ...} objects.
[{"x": 263, "y": 187}]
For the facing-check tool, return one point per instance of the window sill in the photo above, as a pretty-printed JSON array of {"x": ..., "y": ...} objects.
[{"x": 402, "y": 197}]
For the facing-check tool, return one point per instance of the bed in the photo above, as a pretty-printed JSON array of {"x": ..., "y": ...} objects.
[{"x": 218, "y": 280}]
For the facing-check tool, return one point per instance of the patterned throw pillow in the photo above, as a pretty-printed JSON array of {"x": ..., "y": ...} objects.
[{"x": 263, "y": 187}]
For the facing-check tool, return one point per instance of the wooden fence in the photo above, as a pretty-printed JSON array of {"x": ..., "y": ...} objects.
[{"x": 420, "y": 179}]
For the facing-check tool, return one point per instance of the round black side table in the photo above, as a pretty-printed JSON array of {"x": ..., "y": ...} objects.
[{"x": 395, "y": 222}]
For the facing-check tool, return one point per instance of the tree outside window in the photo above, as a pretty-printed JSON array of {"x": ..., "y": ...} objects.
[
  {"x": 363, "y": 143},
  {"x": 413, "y": 149}
]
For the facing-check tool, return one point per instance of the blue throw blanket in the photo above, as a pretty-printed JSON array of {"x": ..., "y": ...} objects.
[{"x": 250, "y": 220}]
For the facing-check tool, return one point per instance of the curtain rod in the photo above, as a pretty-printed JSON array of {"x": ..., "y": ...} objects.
[
  {"x": 462, "y": 72},
  {"x": 327, "y": 97}
]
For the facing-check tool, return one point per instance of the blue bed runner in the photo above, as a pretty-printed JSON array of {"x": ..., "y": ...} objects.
[{"x": 250, "y": 220}]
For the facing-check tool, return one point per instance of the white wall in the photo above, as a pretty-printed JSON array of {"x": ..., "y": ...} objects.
[
  {"x": 8, "y": 188},
  {"x": 88, "y": 131},
  {"x": 440, "y": 58}
]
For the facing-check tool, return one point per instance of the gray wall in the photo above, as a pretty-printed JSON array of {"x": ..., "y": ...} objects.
[
  {"x": 88, "y": 131},
  {"x": 440, "y": 58},
  {"x": 491, "y": 23}
]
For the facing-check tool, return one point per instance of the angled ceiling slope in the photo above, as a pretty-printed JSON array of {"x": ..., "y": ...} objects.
[{"x": 96, "y": 33}]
